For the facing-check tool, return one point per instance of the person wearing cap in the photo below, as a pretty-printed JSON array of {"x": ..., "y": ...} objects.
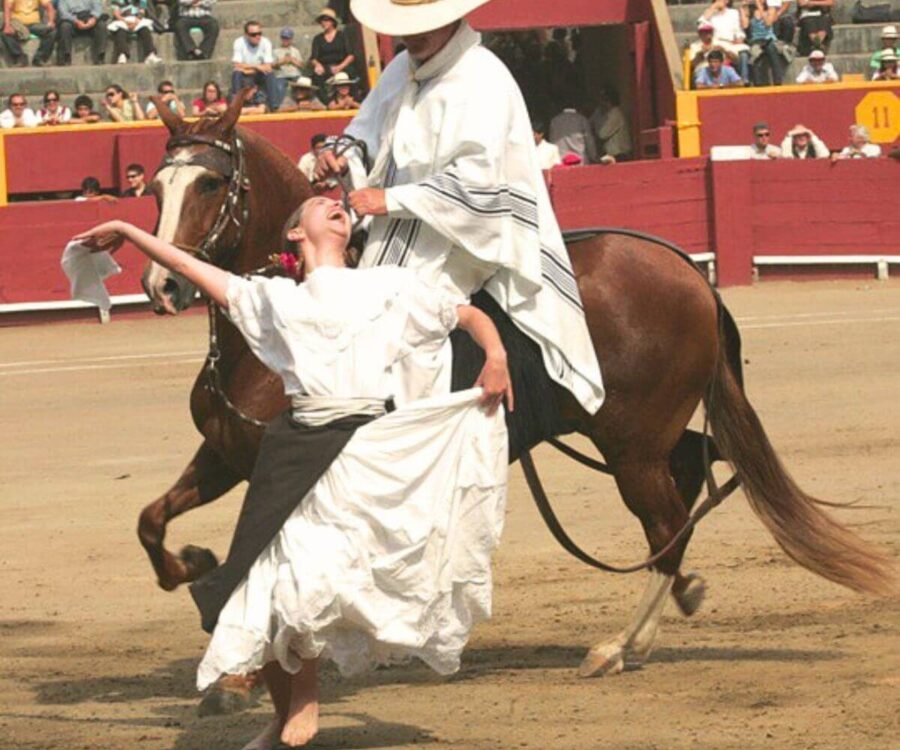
[
  {"x": 331, "y": 52},
  {"x": 699, "y": 49},
  {"x": 196, "y": 14},
  {"x": 761, "y": 148},
  {"x": 287, "y": 63},
  {"x": 302, "y": 97},
  {"x": 860, "y": 146},
  {"x": 728, "y": 34},
  {"x": 801, "y": 143},
  {"x": 888, "y": 67},
  {"x": 455, "y": 190},
  {"x": 716, "y": 74},
  {"x": 342, "y": 98},
  {"x": 818, "y": 70},
  {"x": 888, "y": 44},
  {"x": 252, "y": 58}
]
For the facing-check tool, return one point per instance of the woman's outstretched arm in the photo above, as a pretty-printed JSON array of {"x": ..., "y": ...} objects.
[
  {"x": 209, "y": 279},
  {"x": 494, "y": 377}
]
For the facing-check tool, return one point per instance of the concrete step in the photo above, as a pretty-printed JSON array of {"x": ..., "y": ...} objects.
[
  {"x": 165, "y": 46},
  {"x": 848, "y": 39}
]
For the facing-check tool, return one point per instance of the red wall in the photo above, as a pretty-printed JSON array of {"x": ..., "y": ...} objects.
[
  {"x": 521, "y": 14},
  {"x": 58, "y": 161}
]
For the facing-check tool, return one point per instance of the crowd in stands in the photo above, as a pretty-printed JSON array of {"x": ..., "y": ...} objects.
[
  {"x": 753, "y": 44},
  {"x": 278, "y": 77},
  {"x": 802, "y": 143}
]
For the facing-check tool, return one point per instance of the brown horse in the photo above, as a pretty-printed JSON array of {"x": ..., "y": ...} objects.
[{"x": 656, "y": 324}]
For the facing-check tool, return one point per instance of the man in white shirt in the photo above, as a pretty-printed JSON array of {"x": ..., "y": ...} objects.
[
  {"x": 611, "y": 126},
  {"x": 307, "y": 163},
  {"x": 817, "y": 70},
  {"x": 571, "y": 132},
  {"x": 761, "y": 147},
  {"x": 861, "y": 146},
  {"x": 18, "y": 114},
  {"x": 253, "y": 58},
  {"x": 548, "y": 153}
]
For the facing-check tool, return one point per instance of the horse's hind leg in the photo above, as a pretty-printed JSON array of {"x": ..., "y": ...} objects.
[
  {"x": 650, "y": 493},
  {"x": 205, "y": 479}
]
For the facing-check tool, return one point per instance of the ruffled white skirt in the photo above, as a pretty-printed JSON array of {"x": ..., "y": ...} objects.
[{"x": 388, "y": 556}]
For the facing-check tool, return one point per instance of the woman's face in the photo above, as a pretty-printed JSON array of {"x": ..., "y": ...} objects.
[
  {"x": 327, "y": 24},
  {"x": 323, "y": 218},
  {"x": 113, "y": 97},
  {"x": 343, "y": 90},
  {"x": 211, "y": 94}
]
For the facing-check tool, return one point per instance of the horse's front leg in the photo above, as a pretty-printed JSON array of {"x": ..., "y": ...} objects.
[{"x": 205, "y": 479}]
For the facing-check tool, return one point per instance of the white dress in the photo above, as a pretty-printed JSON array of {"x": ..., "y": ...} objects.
[{"x": 388, "y": 556}]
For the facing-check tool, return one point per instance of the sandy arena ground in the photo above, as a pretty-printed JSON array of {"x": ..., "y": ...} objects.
[{"x": 94, "y": 655}]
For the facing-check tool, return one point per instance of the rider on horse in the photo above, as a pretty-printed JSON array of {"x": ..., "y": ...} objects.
[{"x": 456, "y": 191}]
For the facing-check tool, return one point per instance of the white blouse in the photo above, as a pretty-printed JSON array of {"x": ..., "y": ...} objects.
[{"x": 343, "y": 332}]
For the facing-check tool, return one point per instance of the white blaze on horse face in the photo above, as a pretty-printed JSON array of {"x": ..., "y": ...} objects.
[{"x": 172, "y": 183}]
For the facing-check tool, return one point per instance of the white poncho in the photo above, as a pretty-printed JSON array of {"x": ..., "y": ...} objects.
[{"x": 467, "y": 203}]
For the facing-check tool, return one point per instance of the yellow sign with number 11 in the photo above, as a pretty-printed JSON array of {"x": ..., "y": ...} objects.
[{"x": 879, "y": 111}]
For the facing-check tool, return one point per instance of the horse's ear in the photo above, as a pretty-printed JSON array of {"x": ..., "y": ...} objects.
[
  {"x": 170, "y": 119},
  {"x": 231, "y": 115}
]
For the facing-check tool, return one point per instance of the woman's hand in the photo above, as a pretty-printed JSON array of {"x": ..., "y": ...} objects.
[
  {"x": 318, "y": 68},
  {"x": 106, "y": 237},
  {"x": 496, "y": 383}
]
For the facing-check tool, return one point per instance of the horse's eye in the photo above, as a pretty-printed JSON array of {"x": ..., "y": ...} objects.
[{"x": 208, "y": 184}]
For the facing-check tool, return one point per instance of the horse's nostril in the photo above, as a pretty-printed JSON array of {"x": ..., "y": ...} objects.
[{"x": 170, "y": 288}]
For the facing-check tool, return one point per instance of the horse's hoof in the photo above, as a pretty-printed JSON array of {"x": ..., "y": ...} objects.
[
  {"x": 198, "y": 561},
  {"x": 608, "y": 658},
  {"x": 221, "y": 701},
  {"x": 691, "y": 596}
]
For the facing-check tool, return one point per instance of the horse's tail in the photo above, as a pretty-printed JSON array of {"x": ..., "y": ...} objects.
[{"x": 804, "y": 531}]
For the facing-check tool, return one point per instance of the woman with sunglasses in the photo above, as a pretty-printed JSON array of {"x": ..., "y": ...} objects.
[
  {"x": 121, "y": 106},
  {"x": 53, "y": 112}
]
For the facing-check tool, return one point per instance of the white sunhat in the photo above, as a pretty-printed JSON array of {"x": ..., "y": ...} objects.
[
  {"x": 304, "y": 82},
  {"x": 408, "y": 17},
  {"x": 889, "y": 32},
  {"x": 341, "y": 79}
]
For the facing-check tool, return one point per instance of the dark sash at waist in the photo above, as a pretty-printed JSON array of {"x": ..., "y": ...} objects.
[{"x": 292, "y": 458}]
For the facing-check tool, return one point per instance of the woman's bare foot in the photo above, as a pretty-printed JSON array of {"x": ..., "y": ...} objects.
[
  {"x": 268, "y": 738},
  {"x": 303, "y": 715}
]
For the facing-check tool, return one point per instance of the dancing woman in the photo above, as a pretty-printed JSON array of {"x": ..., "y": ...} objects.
[{"x": 366, "y": 533}]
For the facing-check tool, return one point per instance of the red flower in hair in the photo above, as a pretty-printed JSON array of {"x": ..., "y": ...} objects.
[{"x": 288, "y": 261}]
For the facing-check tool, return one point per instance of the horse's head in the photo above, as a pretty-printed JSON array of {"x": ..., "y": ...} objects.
[{"x": 198, "y": 189}]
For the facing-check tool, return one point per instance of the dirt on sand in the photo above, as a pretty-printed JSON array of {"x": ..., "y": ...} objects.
[{"x": 94, "y": 655}]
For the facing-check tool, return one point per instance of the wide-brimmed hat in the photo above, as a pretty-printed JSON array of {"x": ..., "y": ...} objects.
[
  {"x": 328, "y": 13},
  {"x": 817, "y": 54},
  {"x": 408, "y": 17},
  {"x": 304, "y": 82},
  {"x": 799, "y": 130},
  {"x": 889, "y": 56},
  {"x": 889, "y": 32},
  {"x": 341, "y": 79}
]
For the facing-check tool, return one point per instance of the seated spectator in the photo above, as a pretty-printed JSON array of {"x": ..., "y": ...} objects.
[
  {"x": 132, "y": 17},
  {"x": 254, "y": 102},
  {"x": 343, "y": 96},
  {"x": 84, "y": 111},
  {"x": 728, "y": 35},
  {"x": 252, "y": 58},
  {"x": 307, "y": 163},
  {"x": 611, "y": 131},
  {"x": 761, "y": 148},
  {"x": 211, "y": 102},
  {"x": 18, "y": 114},
  {"x": 801, "y": 143},
  {"x": 818, "y": 70},
  {"x": 888, "y": 68},
  {"x": 699, "y": 49},
  {"x": 121, "y": 106},
  {"x": 54, "y": 112},
  {"x": 759, "y": 21},
  {"x": 716, "y": 74},
  {"x": 90, "y": 191},
  {"x": 21, "y": 19},
  {"x": 548, "y": 153},
  {"x": 571, "y": 133},
  {"x": 195, "y": 14},
  {"x": 861, "y": 146},
  {"x": 84, "y": 18},
  {"x": 331, "y": 51},
  {"x": 287, "y": 63},
  {"x": 302, "y": 98},
  {"x": 167, "y": 94},
  {"x": 888, "y": 44},
  {"x": 814, "y": 20},
  {"x": 137, "y": 183}
]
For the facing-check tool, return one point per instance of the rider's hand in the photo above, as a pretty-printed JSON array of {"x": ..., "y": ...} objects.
[
  {"x": 329, "y": 165},
  {"x": 497, "y": 385},
  {"x": 368, "y": 202},
  {"x": 106, "y": 237}
]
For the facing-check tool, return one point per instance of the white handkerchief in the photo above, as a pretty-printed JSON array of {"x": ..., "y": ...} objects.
[{"x": 86, "y": 272}]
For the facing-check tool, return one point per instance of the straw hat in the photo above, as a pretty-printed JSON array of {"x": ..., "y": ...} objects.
[
  {"x": 888, "y": 57},
  {"x": 303, "y": 82},
  {"x": 328, "y": 13},
  {"x": 889, "y": 32},
  {"x": 408, "y": 17},
  {"x": 341, "y": 79}
]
